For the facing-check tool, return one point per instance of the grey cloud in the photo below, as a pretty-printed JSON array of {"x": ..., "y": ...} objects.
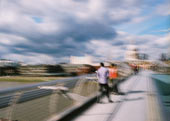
[{"x": 65, "y": 28}]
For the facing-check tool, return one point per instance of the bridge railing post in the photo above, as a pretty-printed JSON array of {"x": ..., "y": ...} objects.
[{"x": 12, "y": 104}]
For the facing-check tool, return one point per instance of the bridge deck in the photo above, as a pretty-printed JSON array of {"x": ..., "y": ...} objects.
[{"x": 133, "y": 106}]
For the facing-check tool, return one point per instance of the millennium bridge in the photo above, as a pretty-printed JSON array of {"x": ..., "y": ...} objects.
[{"x": 144, "y": 97}]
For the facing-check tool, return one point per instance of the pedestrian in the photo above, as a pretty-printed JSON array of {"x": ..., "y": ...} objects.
[
  {"x": 103, "y": 76},
  {"x": 113, "y": 77}
]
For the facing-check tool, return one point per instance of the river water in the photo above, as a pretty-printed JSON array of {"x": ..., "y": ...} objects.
[{"x": 5, "y": 85}]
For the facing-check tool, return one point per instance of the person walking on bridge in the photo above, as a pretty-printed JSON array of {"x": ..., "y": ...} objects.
[
  {"x": 113, "y": 76},
  {"x": 103, "y": 76}
]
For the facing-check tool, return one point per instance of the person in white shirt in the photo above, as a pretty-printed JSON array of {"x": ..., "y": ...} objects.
[{"x": 103, "y": 75}]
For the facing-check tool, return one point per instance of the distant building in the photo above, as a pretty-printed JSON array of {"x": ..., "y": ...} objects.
[
  {"x": 132, "y": 53},
  {"x": 168, "y": 54},
  {"x": 5, "y": 62},
  {"x": 81, "y": 60}
]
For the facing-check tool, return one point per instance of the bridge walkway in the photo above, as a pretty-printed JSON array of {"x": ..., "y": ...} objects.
[{"x": 132, "y": 106}]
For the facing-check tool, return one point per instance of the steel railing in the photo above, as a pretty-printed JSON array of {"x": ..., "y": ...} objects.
[
  {"x": 163, "y": 109},
  {"x": 31, "y": 103}
]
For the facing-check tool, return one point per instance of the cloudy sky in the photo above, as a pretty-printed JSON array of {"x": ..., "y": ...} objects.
[{"x": 50, "y": 31}]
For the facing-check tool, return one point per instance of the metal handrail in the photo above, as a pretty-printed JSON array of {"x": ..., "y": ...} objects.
[
  {"x": 23, "y": 102},
  {"x": 32, "y": 86},
  {"x": 162, "y": 109}
]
